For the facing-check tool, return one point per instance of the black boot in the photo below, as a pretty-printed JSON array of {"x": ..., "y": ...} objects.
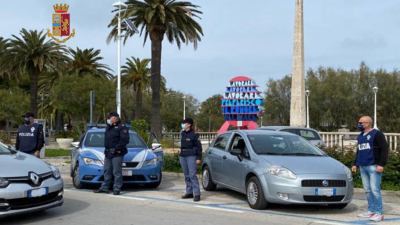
[
  {"x": 187, "y": 196},
  {"x": 196, "y": 198},
  {"x": 101, "y": 191}
]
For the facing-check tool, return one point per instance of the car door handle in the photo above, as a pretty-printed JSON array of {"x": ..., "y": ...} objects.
[{"x": 224, "y": 157}]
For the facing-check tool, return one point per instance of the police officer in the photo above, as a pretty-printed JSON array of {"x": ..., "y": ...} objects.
[
  {"x": 30, "y": 138},
  {"x": 115, "y": 141},
  {"x": 189, "y": 158}
]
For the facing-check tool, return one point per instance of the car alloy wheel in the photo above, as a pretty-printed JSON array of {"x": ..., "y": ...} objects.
[
  {"x": 255, "y": 194},
  {"x": 206, "y": 180}
]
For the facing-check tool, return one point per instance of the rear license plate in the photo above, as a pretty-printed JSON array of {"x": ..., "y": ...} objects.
[
  {"x": 325, "y": 191},
  {"x": 37, "y": 192},
  {"x": 127, "y": 173}
]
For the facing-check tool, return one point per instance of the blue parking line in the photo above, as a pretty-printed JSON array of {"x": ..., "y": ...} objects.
[{"x": 224, "y": 206}]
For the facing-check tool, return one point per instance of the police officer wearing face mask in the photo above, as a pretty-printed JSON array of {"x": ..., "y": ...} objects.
[
  {"x": 115, "y": 140},
  {"x": 189, "y": 158},
  {"x": 30, "y": 138}
]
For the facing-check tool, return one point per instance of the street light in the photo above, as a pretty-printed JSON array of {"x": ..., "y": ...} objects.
[
  {"x": 184, "y": 106},
  {"x": 375, "y": 89},
  {"x": 119, "y": 4},
  {"x": 308, "y": 114}
]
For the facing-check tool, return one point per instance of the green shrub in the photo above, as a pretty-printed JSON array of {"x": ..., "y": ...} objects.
[
  {"x": 142, "y": 128},
  {"x": 5, "y": 138}
]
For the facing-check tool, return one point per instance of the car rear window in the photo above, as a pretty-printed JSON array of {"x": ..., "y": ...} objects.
[
  {"x": 307, "y": 134},
  {"x": 96, "y": 139}
]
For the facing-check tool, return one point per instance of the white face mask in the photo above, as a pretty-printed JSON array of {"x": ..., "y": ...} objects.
[
  {"x": 183, "y": 126},
  {"x": 109, "y": 121}
]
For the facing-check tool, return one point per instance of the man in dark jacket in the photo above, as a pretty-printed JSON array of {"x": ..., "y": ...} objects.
[
  {"x": 115, "y": 140},
  {"x": 189, "y": 158},
  {"x": 30, "y": 138},
  {"x": 371, "y": 157}
]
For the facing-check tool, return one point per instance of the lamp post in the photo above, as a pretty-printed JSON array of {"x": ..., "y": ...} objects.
[
  {"x": 308, "y": 109},
  {"x": 184, "y": 106},
  {"x": 375, "y": 89},
  {"x": 119, "y": 4}
]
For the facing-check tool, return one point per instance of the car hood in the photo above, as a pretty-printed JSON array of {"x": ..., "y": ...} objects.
[
  {"x": 133, "y": 154},
  {"x": 20, "y": 164},
  {"x": 306, "y": 164}
]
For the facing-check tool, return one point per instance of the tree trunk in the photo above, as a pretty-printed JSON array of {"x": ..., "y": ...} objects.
[
  {"x": 34, "y": 90},
  {"x": 139, "y": 103},
  {"x": 59, "y": 121},
  {"x": 156, "y": 46}
]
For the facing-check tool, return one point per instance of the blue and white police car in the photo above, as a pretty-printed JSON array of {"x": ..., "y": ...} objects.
[{"x": 141, "y": 165}]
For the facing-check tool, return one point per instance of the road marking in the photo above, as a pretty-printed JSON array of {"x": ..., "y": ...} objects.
[
  {"x": 327, "y": 222},
  {"x": 219, "y": 208},
  {"x": 128, "y": 197}
]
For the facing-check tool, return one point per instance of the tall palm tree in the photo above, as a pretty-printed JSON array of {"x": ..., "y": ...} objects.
[
  {"x": 33, "y": 54},
  {"x": 4, "y": 47},
  {"x": 136, "y": 74},
  {"x": 156, "y": 19},
  {"x": 87, "y": 62}
]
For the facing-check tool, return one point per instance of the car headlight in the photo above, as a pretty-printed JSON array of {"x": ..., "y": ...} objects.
[
  {"x": 348, "y": 173},
  {"x": 151, "y": 162},
  {"x": 56, "y": 172},
  {"x": 90, "y": 161},
  {"x": 3, "y": 182},
  {"x": 281, "y": 172}
]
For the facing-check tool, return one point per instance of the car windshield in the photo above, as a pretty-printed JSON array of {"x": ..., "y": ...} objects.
[
  {"x": 6, "y": 150},
  {"x": 307, "y": 134},
  {"x": 267, "y": 144},
  {"x": 96, "y": 139}
]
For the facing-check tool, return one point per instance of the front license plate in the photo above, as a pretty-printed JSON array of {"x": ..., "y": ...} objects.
[
  {"x": 126, "y": 172},
  {"x": 37, "y": 192},
  {"x": 325, "y": 191}
]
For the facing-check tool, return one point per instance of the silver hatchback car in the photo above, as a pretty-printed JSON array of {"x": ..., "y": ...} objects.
[
  {"x": 276, "y": 167},
  {"x": 27, "y": 183}
]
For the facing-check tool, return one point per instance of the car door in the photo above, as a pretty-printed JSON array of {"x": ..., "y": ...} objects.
[
  {"x": 235, "y": 169},
  {"x": 216, "y": 153}
]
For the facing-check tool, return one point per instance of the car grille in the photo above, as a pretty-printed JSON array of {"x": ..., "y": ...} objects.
[
  {"x": 23, "y": 203},
  {"x": 26, "y": 180},
  {"x": 130, "y": 164},
  {"x": 314, "y": 198},
  {"x": 320, "y": 183}
]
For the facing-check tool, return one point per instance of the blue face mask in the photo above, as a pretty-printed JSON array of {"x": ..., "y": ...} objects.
[
  {"x": 182, "y": 126},
  {"x": 360, "y": 127}
]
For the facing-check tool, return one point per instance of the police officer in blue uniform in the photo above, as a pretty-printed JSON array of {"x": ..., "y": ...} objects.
[
  {"x": 371, "y": 158},
  {"x": 30, "y": 138},
  {"x": 189, "y": 158},
  {"x": 115, "y": 141}
]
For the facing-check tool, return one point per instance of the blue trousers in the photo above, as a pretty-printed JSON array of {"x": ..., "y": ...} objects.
[
  {"x": 372, "y": 186},
  {"x": 189, "y": 167},
  {"x": 112, "y": 169}
]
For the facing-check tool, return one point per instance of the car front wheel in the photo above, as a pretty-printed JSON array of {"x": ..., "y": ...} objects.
[
  {"x": 76, "y": 181},
  {"x": 255, "y": 194}
]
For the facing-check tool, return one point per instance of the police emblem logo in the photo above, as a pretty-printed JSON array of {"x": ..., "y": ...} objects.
[
  {"x": 61, "y": 24},
  {"x": 32, "y": 129}
]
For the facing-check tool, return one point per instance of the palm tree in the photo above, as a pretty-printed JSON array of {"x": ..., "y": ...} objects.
[
  {"x": 33, "y": 55},
  {"x": 156, "y": 19},
  {"x": 4, "y": 47},
  {"x": 136, "y": 74},
  {"x": 86, "y": 62}
]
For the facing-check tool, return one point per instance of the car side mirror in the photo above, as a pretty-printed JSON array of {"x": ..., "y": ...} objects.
[
  {"x": 155, "y": 146},
  {"x": 75, "y": 144}
]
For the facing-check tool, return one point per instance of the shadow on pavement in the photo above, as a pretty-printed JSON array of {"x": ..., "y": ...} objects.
[{"x": 70, "y": 206}]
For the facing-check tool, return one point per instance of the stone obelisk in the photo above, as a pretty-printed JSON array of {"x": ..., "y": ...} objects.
[{"x": 297, "y": 101}]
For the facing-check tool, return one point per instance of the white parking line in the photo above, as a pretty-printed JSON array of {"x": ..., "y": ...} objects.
[
  {"x": 128, "y": 197},
  {"x": 326, "y": 222},
  {"x": 218, "y": 208}
]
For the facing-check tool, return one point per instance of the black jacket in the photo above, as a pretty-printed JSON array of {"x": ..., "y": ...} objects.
[
  {"x": 30, "y": 138},
  {"x": 115, "y": 141},
  {"x": 190, "y": 144}
]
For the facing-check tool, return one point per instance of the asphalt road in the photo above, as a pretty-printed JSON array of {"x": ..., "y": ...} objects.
[{"x": 164, "y": 206}]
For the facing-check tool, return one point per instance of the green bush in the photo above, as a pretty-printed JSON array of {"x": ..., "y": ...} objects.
[
  {"x": 5, "y": 138},
  {"x": 391, "y": 175},
  {"x": 142, "y": 128}
]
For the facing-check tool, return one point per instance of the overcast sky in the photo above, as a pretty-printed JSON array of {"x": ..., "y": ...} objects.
[{"x": 253, "y": 38}]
